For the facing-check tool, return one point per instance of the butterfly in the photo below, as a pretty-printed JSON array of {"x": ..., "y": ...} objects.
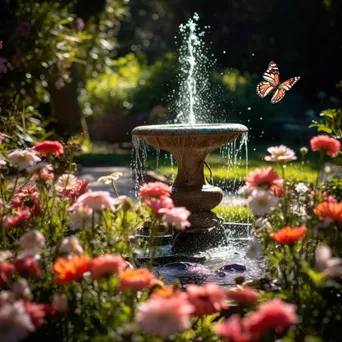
[{"x": 271, "y": 83}]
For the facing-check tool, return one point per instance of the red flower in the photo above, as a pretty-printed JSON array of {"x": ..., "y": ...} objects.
[
  {"x": 68, "y": 270},
  {"x": 265, "y": 178},
  {"x": 274, "y": 314},
  {"x": 27, "y": 198},
  {"x": 27, "y": 266},
  {"x": 13, "y": 221},
  {"x": 47, "y": 146},
  {"x": 6, "y": 269},
  {"x": 207, "y": 299},
  {"x": 327, "y": 144},
  {"x": 106, "y": 265},
  {"x": 155, "y": 189},
  {"x": 243, "y": 295},
  {"x": 289, "y": 235},
  {"x": 233, "y": 329},
  {"x": 77, "y": 191},
  {"x": 136, "y": 280},
  {"x": 329, "y": 211},
  {"x": 38, "y": 312}
]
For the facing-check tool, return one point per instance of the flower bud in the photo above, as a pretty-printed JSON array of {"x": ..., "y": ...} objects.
[{"x": 303, "y": 151}]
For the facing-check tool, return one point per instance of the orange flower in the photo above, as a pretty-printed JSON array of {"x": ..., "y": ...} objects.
[
  {"x": 47, "y": 146},
  {"x": 329, "y": 210},
  {"x": 137, "y": 280},
  {"x": 289, "y": 235},
  {"x": 68, "y": 270}
]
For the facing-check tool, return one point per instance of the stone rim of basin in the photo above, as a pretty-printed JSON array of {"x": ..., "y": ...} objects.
[{"x": 184, "y": 129}]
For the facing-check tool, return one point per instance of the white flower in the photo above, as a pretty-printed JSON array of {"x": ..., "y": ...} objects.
[
  {"x": 31, "y": 245},
  {"x": 253, "y": 249},
  {"x": 99, "y": 200},
  {"x": 4, "y": 255},
  {"x": 301, "y": 188},
  {"x": 280, "y": 154},
  {"x": 60, "y": 302},
  {"x": 21, "y": 290},
  {"x": 70, "y": 246},
  {"x": 81, "y": 217},
  {"x": 66, "y": 182},
  {"x": 110, "y": 178},
  {"x": 262, "y": 202},
  {"x": 15, "y": 322},
  {"x": 40, "y": 167},
  {"x": 23, "y": 158},
  {"x": 332, "y": 267}
]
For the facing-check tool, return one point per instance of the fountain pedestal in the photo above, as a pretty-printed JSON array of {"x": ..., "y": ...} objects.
[{"x": 190, "y": 146}]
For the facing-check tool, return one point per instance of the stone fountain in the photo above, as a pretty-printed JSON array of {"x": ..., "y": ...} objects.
[
  {"x": 190, "y": 146},
  {"x": 202, "y": 249}
]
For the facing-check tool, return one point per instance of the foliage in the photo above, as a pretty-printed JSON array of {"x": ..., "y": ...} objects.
[
  {"x": 332, "y": 122},
  {"x": 129, "y": 85},
  {"x": 42, "y": 42}
]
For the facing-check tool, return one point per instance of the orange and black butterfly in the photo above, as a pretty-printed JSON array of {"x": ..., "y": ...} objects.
[{"x": 271, "y": 84}]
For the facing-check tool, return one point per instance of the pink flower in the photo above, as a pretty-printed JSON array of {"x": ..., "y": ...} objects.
[
  {"x": 47, "y": 146},
  {"x": 280, "y": 154},
  {"x": 176, "y": 217},
  {"x": 13, "y": 221},
  {"x": 97, "y": 200},
  {"x": 154, "y": 189},
  {"x": 106, "y": 265},
  {"x": 274, "y": 314},
  {"x": 159, "y": 203},
  {"x": 265, "y": 178},
  {"x": 327, "y": 144},
  {"x": 79, "y": 189},
  {"x": 6, "y": 269},
  {"x": 162, "y": 317},
  {"x": 38, "y": 312},
  {"x": 207, "y": 299},
  {"x": 233, "y": 329},
  {"x": 27, "y": 266},
  {"x": 243, "y": 295}
]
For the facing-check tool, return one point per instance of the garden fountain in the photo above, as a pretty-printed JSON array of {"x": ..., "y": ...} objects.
[{"x": 190, "y": 143}]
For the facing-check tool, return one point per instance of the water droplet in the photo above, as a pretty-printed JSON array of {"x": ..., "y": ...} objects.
[
  {"x": 249, "y": 108},
  {"x": 260, "y": 118},
  {"x": 253, "y": 54},
  {"x": 224, "y": 52}
]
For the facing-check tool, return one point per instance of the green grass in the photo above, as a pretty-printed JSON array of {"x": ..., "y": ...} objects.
[
  {"x": 233, "y": 213},
  {"x": 224, "y": 175}
]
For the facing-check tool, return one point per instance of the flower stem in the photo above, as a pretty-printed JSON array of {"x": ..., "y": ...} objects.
[
  {"x": 115, "y": 189},
  {"x": 284, "y": 193},
  {"x": 321, "y": 158}
]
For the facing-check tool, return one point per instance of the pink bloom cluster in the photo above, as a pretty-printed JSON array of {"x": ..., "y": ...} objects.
[{"x": 157, "y": 197}]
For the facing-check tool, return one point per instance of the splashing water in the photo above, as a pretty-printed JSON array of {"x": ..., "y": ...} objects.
[{"x": 192, "y": 104}]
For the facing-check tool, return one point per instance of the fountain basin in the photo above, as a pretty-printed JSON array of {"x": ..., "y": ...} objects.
[{"x": 190, "y": 145}]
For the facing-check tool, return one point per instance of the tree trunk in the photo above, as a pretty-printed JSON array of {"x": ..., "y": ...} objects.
[{"x": 65, "y": 108}]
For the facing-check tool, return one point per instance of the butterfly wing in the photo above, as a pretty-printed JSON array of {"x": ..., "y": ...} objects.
[
  {"x": 264, "y": 88},
  {"x": 283, "y": 88},
  {"x": 271, "y": 75}
]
